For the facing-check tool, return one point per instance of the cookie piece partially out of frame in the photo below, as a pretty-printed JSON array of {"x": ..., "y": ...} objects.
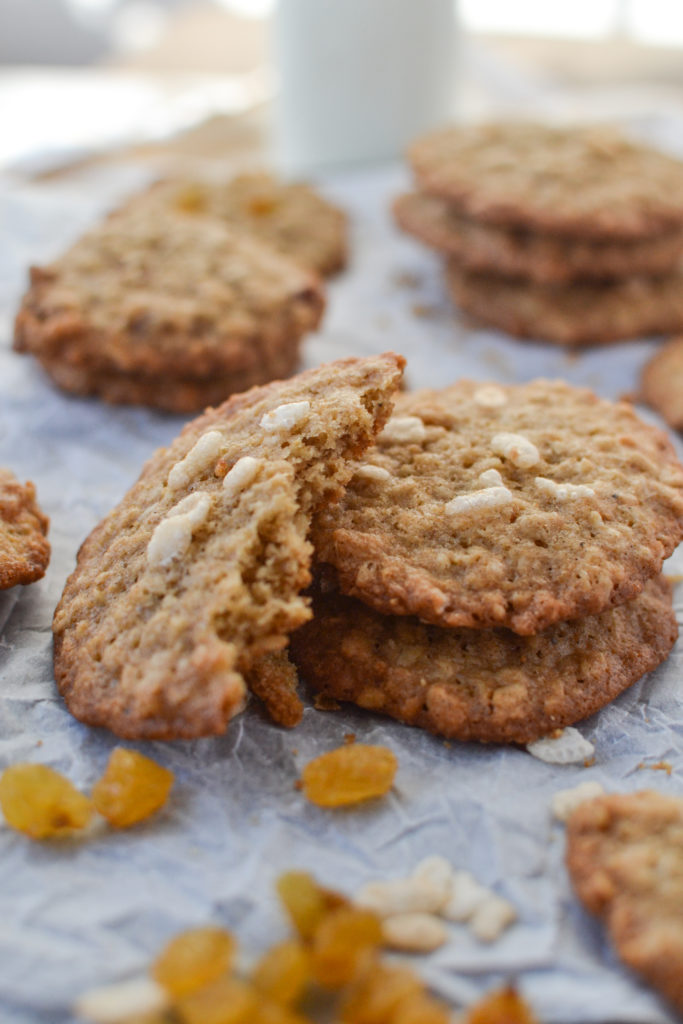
[
  {"x": 518, "y": 505},
  {"x": 487, "y": 685},
  {"x": 625, "y": 860},
  {"x": 24, "y": 549},
  {"x": 534, "y": 255},
  {"x": 155, "y": 300},
  {"x": 196, "y": 575},
  {"x": 576, "y": 313},
  {"x": 589, "y": 181},
  {"x": 661, "y": 382}
]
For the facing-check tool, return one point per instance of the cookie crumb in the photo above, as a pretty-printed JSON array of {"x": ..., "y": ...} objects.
[
  {"x": 565, "y": 801},
  {"x": 658, "y": 766},
  {"x": 414, "y": 933},
  {"x": 404, "y": 429},
  {"x": 569, "y": 747},
  {"x": 322, "y": 702},
  {"x": 518, "y": 449},
  {"x": 243, "y": 473},
  {"x": 489, "y": 396},
  {"x": 206, "y": 449},
  {"x": 371, "y": 472},
  {"x": 113, "y": 1004},
  {"x": 173, "y": 535},
  {"x": 488, "y": 497},
  {"x": 285, "y": 417}
]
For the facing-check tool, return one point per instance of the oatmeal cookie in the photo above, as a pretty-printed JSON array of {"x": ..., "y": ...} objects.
[
  {"x": 489, "y": 685},
  {"x": 661, "y": 382},
  {"x": 520, "y": 506},
  {"x": 293, "y": 218},
  {"x": 588, "y": 181},
  {"x": 625, "y": 860},
  {"x": 172, "y": 393},
  {"x": 170, "y": 297},
  {"x": 196, "y": 575},
  {"x": 577, "y": 313},
  {"x": 534, "y": 255},
  {"x": 24, "y": 550}
]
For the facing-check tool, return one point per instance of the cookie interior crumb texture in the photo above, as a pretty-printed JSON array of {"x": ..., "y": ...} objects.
[
  {"x": 196, "y": 575},
  {"x": 24, "y": 549},
  {"x": 576, "y": 532},
  {"x": 625, "y": 860}
]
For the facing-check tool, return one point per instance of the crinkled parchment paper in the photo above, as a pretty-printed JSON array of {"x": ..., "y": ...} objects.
[{"x": 74, "y": 915}]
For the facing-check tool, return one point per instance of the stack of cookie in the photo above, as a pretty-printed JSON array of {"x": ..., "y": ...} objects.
[
  {"x": 571, "y": 235},
  {"x": 492, "y": 571},
  {"x": 188, "y": 294}
]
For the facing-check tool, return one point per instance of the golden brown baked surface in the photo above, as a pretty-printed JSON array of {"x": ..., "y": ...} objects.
[
  {"x": 534, "y": 255},
  {"x": 518, "y": 505},
  {"x": 625, "y": 860},
  {"x": 197, "y": 573},
  {"x": 489, "y": 685},
  {"x": 589, "y": 181},
  {"x": 24, "y": 549},
  {"x": 143, "y": 296}
]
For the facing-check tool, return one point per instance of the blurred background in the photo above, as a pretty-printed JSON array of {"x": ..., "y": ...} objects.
[{"x": 81, "y": 76}]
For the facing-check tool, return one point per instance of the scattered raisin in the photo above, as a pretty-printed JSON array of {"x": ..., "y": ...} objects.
[
  {"x": 504, "y": 1006},
  {"x": 349, "y": 775},
  {"x": 375, "y": 997},
  {"x": 39, "y": 801},
  {"x": 306, "y": 902},
  {"x": 224, "y": 1001},
  {"x": 193, "y": 959},
  {"x": 283, "y": 972},
  {"x": 342, "y": 943},
  {"x": 132, "y": 788}
]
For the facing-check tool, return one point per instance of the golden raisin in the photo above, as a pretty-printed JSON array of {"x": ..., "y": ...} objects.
[
  {"x": 421, "y": 1009},
  {"x": 193, "y": 959},
  {"x": 261, "y": 206},
  {"x": 191, "y": 199},
  {"x": 504, "y": 1006},
  {"x": 224, "y": 1001},
  {"x": 283, "y": 972},
  {"x": 274, "y": 1013},
  {"x": 342, "y": 943},
  {"x": 349, "y": 774},
  {"x": 132, "y": 788},
  {"x": 374, "y": 997},
  {"x": 42, "y": 803},
  {"x": 306, "y": 902}
]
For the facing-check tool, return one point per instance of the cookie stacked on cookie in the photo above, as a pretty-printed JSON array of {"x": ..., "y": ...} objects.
[
  {"x": 571, "y": 235},
  {"x": 492, "y": 570},
  {"x": 186, "y": 295}
]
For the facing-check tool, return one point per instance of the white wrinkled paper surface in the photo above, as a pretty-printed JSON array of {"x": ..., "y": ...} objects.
[{"x": 74, "y": 915}]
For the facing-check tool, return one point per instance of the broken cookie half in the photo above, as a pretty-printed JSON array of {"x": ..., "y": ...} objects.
[{"x": 196, "y": 576}]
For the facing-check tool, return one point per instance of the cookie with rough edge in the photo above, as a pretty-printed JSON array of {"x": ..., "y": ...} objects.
[
  {"x": 661, "y": 382},
  {"x": 576, "y": 313},
  {"x": 487, "y": 685},
  {"x": 172, "y": 393},
  {"x": 625, "y": 860},
  {"x": 589, "y": 181},
  {"x": 24, "y": 549},
  {"x": 197, "y": 574},
  {"x": 292, "y": 217},
  {"x": 541, "y": 257},
  {"x": 518, "y": 505},
  {"x": 168, "y": 296}
]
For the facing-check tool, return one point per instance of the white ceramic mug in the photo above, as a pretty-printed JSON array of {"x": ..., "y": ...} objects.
[{"x": 360, "y": 78}]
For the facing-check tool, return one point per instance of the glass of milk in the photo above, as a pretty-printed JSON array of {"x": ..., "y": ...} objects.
[{"x": 360, "y": 78}]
